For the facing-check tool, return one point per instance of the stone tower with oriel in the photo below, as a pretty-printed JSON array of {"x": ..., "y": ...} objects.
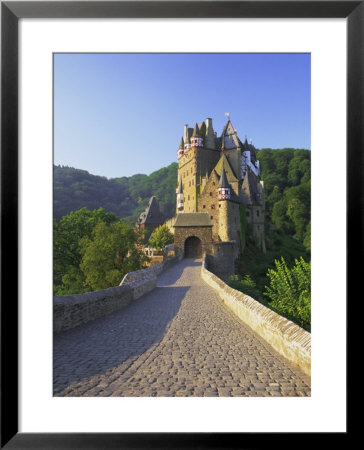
[{"x": 219, "y": 176}]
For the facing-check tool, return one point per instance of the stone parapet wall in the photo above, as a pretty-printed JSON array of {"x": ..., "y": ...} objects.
[
  {"x": 150, "y": 272},
  {"x": 290, "y": 340},
  {"x": 69, "y": 311}
]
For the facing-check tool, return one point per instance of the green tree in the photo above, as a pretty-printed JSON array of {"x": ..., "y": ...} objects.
[
  {"x": 290, "y": 291},
  {"x": 109, "y": 254},
  {"x": 296, "y": 211},
  {"x": 307, "y": 237},
  {"x": 161, "y": 237},
  {"x": 68, "y": 232}
]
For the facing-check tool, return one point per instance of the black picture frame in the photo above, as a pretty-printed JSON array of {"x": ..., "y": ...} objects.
[{"x": 11, "y": 12}]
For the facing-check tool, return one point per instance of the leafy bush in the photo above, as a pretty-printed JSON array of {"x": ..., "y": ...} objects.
[
  {"x": 246, "y": 285},
  {"x": 161, "y": 237},
  {"x": 290, "y": 291},
  {"x": 93, "y": 250}
]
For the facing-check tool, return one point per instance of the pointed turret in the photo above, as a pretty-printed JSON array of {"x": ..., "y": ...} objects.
[
  {"x": 196, "y": 131},
  {"x": 180, "y": 197},
  {"x": 196, "y": 139},
  {"x": 187, "y": 143},
  {"x": 180, "y": 148},
  {"x": 202, "y": 128},
  {"x": 180, "y": 189},
  {"x": 223, "y": 191}
]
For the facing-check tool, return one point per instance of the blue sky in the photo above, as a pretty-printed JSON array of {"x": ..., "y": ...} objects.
[{"x": 121, "y": 114}]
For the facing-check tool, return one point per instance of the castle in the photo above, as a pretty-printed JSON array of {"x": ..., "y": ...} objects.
[{"x": 220, "y": 197}]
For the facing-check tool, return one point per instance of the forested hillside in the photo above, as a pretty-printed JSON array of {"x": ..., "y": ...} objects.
[
  {"x": 126, "y": 197},
  {"x": 287, "y": 181}
]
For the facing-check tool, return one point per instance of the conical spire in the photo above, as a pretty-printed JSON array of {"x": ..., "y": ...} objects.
[
  {"x": 202, "y": 128},
  {"x": 180, "y": 197},
  {"x": 196, "y": 131},
  {"x": 181, "y": 144},
  {"x": 223, "y": 180},
  {"x": 180, "y": 190}
]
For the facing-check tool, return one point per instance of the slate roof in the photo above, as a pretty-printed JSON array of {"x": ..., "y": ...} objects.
[
  {"x": 180, "y": 188},
  {"x": 202, "y": 128},
  {"x": 223, "y": 163},
  {"x": 223, "y": 180},
  {"x": 250, "y": 189},
  {"x": 196, "y": 131},
  {"x": 152, "y": 214},
  {"x": 198, "y": 219}
]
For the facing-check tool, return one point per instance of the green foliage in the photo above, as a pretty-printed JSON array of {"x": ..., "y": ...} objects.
[
  {"x": 287, "y": 184},
  {"x": 109, "y": 254},
  {"x": 161, "y": 237},
  {"x": 307, "y": 238},
  {"x": 86, "y": 242},
  {"x": 256, "y": 264},
  {"x": 126, "y": 197},
  {"x": 67, "y": 234},
  {"x": 289, "y": 291},
  {"x": 244, "y": 284}
]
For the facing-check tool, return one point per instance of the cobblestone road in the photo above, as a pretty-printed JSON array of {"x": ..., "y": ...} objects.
[{"x": 178, "y": 340}]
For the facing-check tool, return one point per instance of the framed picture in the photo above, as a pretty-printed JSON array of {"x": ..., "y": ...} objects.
[{"x": 15, "y": 175}]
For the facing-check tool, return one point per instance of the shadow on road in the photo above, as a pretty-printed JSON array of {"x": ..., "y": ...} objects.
[{"x": 105, "y": 343}]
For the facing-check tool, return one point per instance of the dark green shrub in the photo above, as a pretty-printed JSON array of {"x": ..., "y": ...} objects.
[{"x": 290, "y": 291}]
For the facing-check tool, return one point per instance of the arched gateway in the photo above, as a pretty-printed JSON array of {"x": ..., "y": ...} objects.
[
  {"x": 193, "y": 247},
  {"x": 193, "y": 234}
]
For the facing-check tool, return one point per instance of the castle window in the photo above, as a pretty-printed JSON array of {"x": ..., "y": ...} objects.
[
  {"x": 204, "y": 206},
  {"x": 257, "y": 212},
  {"x": 248, "y": 214},
  {"x": 210, "y": 194},
  {"x": 211, "y": 218},
  {"x": 189, "y": 183},
  {"x": 219, "y": 205},
  {"x": 212, "y": 206},
  {"x": 188, "y": 197}
]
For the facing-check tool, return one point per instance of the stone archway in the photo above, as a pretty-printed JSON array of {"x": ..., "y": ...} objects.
[{"x": 193, "y": 247}]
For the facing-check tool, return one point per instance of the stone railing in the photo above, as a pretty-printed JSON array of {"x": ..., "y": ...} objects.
[
  {"x": 69, "y": 311},
  {"x": 290, "y": 340}
]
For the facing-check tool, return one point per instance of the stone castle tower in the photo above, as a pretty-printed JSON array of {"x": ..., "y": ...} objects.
[{"x": 218, "y": 181}]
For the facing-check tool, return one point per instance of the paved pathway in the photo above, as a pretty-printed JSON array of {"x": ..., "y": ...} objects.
[{"x": 178, "y": 340}]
